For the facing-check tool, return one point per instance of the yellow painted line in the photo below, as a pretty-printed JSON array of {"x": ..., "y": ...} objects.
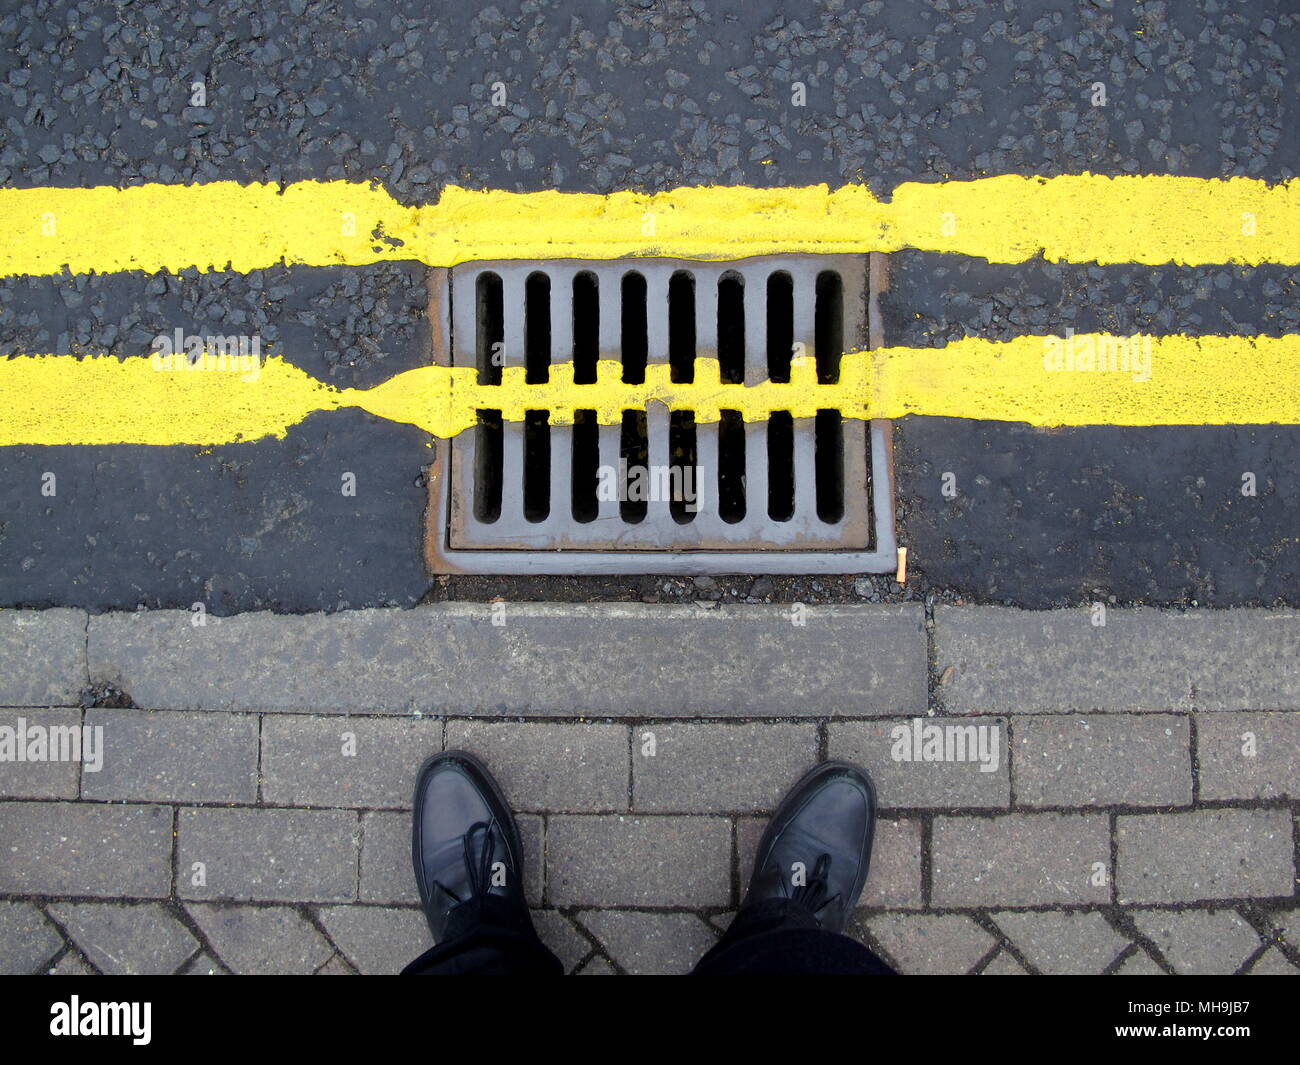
[
  {"x": 1090, "y": 379},
  {"x": 1153, "y": 218}
]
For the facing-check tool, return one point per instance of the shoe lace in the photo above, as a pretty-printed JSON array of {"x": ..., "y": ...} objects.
[
  {"x": 811, "y": 894},
  {"x": 480, "y": 871}
]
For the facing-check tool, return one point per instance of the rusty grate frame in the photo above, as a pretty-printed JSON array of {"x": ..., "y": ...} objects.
[{"x": 541, "y": 551}]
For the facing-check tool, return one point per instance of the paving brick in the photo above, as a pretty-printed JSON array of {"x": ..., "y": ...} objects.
[
  {"x": 638, "y": 861},
  {"x": 926, "y": 943},
  {"x": 46, "y": 778},
  {"x": 53, "y": 848},
  {"x": 1102, "y": 760},
  {"x": 1139, "y": 963},
  {"x": 386, "y": 873},
  {"x": 42, "y": 657},
  {"x": 1248, "y": 756},
  {"x": 261, "y": 939},
  {"x": 1064, "y": 941},
  {"x": 650, "y": 944},
  {"x": 894, "y": 879},
  {"x": 532, "y": 834},
  {"x": 127, "y": 939},
  {"x": 364, "y": 661},
  {"x": 1204, "y": 854},
  {"x": 649, "y": 660},
  {"x": 174, "y": 757},
  {"x": 1004, "y": 964},
  {"x": 336, "y": 966},
  {"x": 562, "y": 936},
  {"x": 71, "y": 964},
  {"x": 1006, "y": 660},
  {"x": 368, "y": 762},
  {"x": 27, "y": 940},
  {"x": 599, "y": 659},
  {"x": 1021, "y": 860},
  {"x": 1199, "y": 942},
  {"x": 908, "y": 772},
  {"x": 699, "y": 768},
  {"x": 1273, "y": 963},
  {"x": 268, "y": 855},
  {"x": 1287, "y": 922},
  {"x": 205, "y": 965},
  {"x": 551, "y": 766},
  {"x": 375, "y": 939}
]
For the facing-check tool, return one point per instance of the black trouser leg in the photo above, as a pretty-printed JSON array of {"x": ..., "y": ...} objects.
[
  {"x": 486, "y": 939},
  {"x": 776, "y": 939}
]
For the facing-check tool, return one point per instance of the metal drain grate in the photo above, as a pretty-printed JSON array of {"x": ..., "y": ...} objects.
[{"x": 658, "y": 494}]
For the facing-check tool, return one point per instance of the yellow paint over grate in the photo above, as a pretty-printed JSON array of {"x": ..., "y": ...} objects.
[
  {"x": 1088, "y": 379},
  {"x": 1152, "y": 218}
]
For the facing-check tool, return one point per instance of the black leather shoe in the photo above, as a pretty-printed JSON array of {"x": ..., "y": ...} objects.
[
  {"x": 816, "y": 850},
  {"x": 465, "y": 847}
]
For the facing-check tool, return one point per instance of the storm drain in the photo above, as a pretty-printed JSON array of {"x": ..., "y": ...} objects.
[{"x": 658, "y": 493}]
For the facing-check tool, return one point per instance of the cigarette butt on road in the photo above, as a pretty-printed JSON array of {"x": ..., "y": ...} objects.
[{"x": 901, "y": 575}]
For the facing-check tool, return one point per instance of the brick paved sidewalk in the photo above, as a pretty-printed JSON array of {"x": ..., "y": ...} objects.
[{"x": 1134, "y": 810}]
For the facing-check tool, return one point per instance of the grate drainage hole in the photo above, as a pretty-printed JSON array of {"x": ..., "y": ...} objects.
[
  {"x": 537, "y": 328},
  {"x": 634, "y": 338},
  {"x": 829, "y": 464},
  {"x": 828, "y": 326},
  {"x": 487, "y": 466},
  {"x": 682, "y": 478},
  {"x": 731, "y": 467},
  {"x": 586, "y": 466},
  {"x": 780, "y": 466},
  {"x": 586, "y": 328},
  {"x": 780, "y": 326},
  {"x": 681, "y": 327},
  {"x": 634, "y": 451},
  {"x": 490, "y": 314},
  {"x": 731, "y": 328},
  {"x": 537, "y": 465}
]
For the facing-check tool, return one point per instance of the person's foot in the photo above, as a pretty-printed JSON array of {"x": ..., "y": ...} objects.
[
  {"x": 817, "y": 847},
  {"x": 464, "y": 845}
]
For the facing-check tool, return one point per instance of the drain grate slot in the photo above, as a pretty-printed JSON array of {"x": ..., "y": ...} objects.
[
  {"x": 586, "y": 328},
  {"x": 634, "y": 453},
  {"x": 731, "y": 329},
  {"x": 487, "y": 467},
  {"x": 732, "y": 503},
  {"x": 681, "y": 326},
  {"x": 537, "y": 466},
  {"x": 659, "y": 492},
  {"x": 780, "y": 326},
  {"x": 490, "y": 332},
  {"x": 829, "y": 326},
  {"x": 537, "y": 328},
  {"x": 829, "y": 453},
  {"x": 634, "y": 340},
  {"x": 586, "y": 466},
  {"x": 780, "y": 466}
]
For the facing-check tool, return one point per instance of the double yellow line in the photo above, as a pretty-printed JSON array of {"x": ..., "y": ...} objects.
[
  {"x": 1189, "y": 381},
  {"x": 59, "y": 399},
  {"x": 1079, "y": 218}
]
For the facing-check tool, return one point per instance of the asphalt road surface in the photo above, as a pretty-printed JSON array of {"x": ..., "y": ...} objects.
[{"x": 645, "y": 96}]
